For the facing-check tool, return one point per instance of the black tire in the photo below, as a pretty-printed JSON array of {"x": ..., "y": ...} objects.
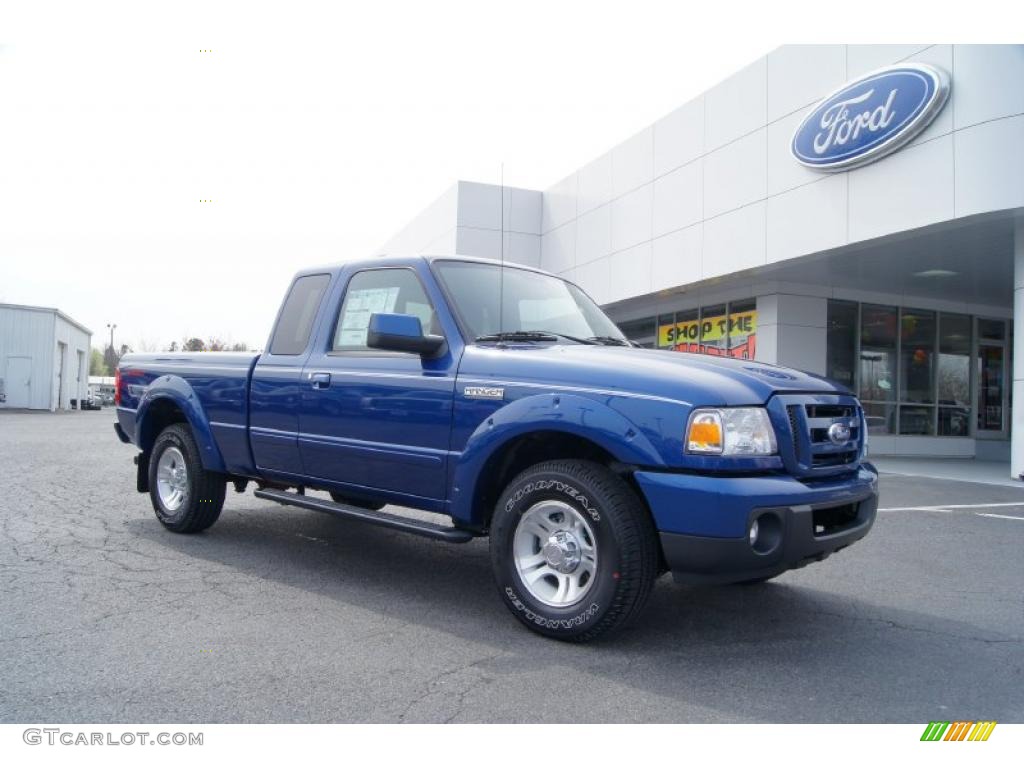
[
  {"x": 626, "y": 546},
  {"x": 353, "y": 502},
  {"x": 204, "y": 492}
]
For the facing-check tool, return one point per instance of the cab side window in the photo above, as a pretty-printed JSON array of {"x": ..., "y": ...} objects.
[
  {"x": 394, "y": 290},
  {"x": 297, "y": 315}
]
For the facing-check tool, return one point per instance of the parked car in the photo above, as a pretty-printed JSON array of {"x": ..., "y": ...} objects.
[
  {"x": 91, "y": 402},
  {"x": 592, "y": 466}
]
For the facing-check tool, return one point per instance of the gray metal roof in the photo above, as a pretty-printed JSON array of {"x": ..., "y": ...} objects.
[{"x": 52, "y": 310}]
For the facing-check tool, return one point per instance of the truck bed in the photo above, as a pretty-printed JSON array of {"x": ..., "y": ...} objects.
[{"x": 220, "y": 381}]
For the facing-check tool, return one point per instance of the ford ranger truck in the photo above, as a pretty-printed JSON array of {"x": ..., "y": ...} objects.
[{"x": 502, "y": 399}]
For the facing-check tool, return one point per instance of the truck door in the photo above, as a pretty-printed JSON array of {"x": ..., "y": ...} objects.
[
  {"x": 376, "y": 419},
  {"x": 275, "y": 393}
]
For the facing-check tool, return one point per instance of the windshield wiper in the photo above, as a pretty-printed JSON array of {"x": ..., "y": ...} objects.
[
  {"x": 531, "y": 336},
  {"x": 609, "y": 341}
]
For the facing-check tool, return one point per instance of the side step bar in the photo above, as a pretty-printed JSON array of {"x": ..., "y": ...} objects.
[{"x": 383, "y": 519}]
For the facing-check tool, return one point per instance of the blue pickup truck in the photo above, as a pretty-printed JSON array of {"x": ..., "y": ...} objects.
[{"x": 504, "y": 400}]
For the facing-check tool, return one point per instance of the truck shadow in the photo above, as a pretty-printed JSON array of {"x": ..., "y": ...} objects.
[{"x": 797, "y": 652}]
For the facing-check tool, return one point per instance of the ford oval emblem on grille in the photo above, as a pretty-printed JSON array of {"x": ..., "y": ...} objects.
[{"x": 839, "y": 433}]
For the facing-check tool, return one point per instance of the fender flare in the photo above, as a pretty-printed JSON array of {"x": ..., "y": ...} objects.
[
  {"x": 179, "y": 392},
  {"x": 577, "y": 415}
]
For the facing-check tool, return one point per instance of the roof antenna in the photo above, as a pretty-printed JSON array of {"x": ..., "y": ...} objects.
[{"x": 501, "y": 252}]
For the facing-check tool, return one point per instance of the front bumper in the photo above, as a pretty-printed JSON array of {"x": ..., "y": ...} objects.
[{"x": 704, "y": 521}]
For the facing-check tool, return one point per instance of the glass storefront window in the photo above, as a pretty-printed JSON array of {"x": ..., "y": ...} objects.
[
  {"x": 722, "y": 330},
  {"x": 881, "y": 418},
  {"x": 921, "y": 372},
  {"x": 954, "y": 375},
  {"x": 991, "y": 330},
  {"x": 916, "y": 420},
  {"x": 714, "y": 330},
  {"x": 917, "y": 358},
  {"x": 642, "y": 331},
  {"x": 878, "y": 353},
  {"x": 842, "y": 342}
]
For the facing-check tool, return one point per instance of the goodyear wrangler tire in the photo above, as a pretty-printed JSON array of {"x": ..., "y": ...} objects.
[
  {"x": 573, "y": 550},
  {"x": 186, "y": 497}
]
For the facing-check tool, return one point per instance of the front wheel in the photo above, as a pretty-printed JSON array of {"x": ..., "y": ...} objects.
[
  {"x": 573, "y": 550},
  {"x": 186, "y": 497}
]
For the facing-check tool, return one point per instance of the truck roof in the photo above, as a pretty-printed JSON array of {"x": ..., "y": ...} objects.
[{"x": 408, "y": 260}]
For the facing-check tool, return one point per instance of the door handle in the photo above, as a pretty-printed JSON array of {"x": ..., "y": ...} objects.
[{"x": 320, "y": 380}]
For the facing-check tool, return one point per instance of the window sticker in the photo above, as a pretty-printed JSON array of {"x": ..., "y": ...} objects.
[{"x": 359, "y": 305}]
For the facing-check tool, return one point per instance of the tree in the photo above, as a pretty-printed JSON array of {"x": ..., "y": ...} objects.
[
  {"x": 173, "y": 347},
  {"x": 239, "y": 346},
  {"x": 97, "y": 365},
  {"x": 194, "y": 344},
  {"x": 110, "y": 358},
  {"x": 213, "y": 344}
]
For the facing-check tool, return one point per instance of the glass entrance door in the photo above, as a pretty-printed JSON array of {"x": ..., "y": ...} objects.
[{"x": 991, "y": 372}]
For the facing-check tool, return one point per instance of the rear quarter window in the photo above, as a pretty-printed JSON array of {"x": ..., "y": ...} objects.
[{"x": 294, "y": 326}]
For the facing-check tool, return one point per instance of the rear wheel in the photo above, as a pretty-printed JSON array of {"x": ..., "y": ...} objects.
[
  {"x": 186, "y": 497},
  {"x": 573, "y": 550}
]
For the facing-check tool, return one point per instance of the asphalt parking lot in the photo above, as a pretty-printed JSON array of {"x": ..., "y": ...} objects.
[{"x": 277, "y": 614}]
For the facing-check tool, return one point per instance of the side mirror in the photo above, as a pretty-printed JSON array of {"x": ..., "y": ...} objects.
[{"x": 402, "y": 333}]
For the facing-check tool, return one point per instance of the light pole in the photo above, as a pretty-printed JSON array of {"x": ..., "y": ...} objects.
[{"x": 111, "y": 326}]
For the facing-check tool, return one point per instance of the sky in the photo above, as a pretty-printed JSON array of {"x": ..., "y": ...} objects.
[{"x": 168, "y": 167}]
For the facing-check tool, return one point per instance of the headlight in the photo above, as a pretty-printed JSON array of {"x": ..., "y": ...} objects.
[{"x": 730, "y": 432}]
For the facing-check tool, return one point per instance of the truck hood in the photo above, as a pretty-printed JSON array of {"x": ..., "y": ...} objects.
[{"x": 688, "y": 378}]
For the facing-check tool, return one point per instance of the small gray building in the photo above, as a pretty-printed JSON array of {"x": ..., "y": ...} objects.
[{"x": 44, "y": 358}]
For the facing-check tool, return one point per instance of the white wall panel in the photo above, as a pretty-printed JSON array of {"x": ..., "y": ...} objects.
[
  {"x": 595, "y": 184},
  {"x": 679, "y": 137},
  {"x": 594, "y": 279},
  {"x": 679, "y": 198},
  {"x": 629, "y": 272},
  {"x": 990, "y": 166},
  {"x": 736, "y": 174},
  {"x": 801, "y": 75},
  {"x": 557, "y": 249},
  {"x": 736, "y": 106},
  {"x": 631, "y": 218},
  {"x": 908, "y": 189},
  {"x": 734, "y": 241},
  {"x": 594, "y": 234},
  {"x": 675, "y": 258},
  {"x": 861, "y": 59},
  {"x": 807, "y": 219},
  {"x": 783, "y": 171},
  {"x": 988, "y": 82},
  {"x": 558, "y": 203},
  {"x": 633, "y": 162}
]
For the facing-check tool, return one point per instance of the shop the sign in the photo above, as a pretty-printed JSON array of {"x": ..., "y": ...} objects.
[
  {"x": 870, "y": 117},
  {"x": 734, "y": 335}
]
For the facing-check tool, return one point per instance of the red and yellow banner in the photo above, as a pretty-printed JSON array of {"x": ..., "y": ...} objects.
[{"x": 733, "y": 335}]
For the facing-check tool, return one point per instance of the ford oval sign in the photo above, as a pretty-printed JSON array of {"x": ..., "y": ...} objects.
[{"x": 871, "y": 117}]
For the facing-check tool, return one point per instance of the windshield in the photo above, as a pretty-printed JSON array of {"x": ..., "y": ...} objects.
[{"x": 532, "y": 302}]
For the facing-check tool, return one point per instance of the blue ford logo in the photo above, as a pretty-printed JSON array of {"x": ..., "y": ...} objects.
[
  {"x": 839, "y": 433},
  {"x": 871, "y": 117}
]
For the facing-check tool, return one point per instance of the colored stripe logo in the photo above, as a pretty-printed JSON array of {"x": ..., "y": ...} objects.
[{"x": 961, "y": 730}]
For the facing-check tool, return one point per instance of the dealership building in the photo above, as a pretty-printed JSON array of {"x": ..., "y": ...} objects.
[{"x": 852, "y": 210}]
